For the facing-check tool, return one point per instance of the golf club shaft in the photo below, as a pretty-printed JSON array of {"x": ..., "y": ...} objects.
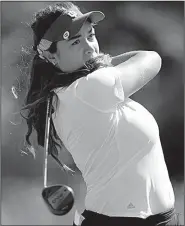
[{"x": 46, "y": 138}]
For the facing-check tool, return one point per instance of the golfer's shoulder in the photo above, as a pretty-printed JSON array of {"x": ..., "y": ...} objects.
[
  {"x": 102, "y": 72},
  {"x": 101, "y": 77}
]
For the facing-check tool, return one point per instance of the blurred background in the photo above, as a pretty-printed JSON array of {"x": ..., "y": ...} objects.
[{"x": 128, "y": 26}]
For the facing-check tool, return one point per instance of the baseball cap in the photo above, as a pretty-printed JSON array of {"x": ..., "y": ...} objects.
[{"x": 66, "y": 26}]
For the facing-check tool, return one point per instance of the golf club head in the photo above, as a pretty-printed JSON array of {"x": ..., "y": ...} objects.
[{"x": 58, "y": 198}]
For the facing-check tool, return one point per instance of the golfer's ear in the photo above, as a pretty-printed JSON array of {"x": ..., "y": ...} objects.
[{"x": 50, "y": 57}]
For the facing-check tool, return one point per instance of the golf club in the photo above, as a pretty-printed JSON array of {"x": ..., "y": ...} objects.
[{"x": 58, "y": 198}]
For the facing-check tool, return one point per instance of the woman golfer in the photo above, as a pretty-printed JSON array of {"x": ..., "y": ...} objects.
[{"x": 113, "y": 140}]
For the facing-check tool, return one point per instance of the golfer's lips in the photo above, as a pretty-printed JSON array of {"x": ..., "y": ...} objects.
[{"x": 91, "y": 56}]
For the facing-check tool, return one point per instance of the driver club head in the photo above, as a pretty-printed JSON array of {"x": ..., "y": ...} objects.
[{"x": 58, "y": 198}]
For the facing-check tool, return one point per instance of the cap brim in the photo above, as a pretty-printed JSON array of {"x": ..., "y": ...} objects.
[{"x": 94, "y": 16}]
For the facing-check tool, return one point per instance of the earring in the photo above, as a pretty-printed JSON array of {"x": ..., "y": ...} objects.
[{"x": 54, "y": 63}]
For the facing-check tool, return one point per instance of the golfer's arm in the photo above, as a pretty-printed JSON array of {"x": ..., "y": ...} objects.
[
  {"x": 138, "y": 70},
  {"x": 123, "y": 57}
]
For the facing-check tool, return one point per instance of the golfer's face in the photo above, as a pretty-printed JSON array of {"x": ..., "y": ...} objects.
[{"x": 72, "y": 54}]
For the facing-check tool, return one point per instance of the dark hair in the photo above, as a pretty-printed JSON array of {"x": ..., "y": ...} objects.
[{"x": 45, "y": 77}]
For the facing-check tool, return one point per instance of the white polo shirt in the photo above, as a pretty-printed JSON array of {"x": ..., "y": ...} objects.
[{"x": 115, "y": 143}]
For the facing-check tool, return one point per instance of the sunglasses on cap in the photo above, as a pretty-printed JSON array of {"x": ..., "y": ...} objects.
[{"x": 58, "y": 198}]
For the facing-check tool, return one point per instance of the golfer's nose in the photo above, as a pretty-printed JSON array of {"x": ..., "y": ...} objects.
[{"x": 88, "y": 48}]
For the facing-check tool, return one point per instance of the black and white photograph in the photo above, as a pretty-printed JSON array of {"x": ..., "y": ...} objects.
[{"x": 92, "y": 113}]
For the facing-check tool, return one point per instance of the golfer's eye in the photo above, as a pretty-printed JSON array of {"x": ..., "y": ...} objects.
[
  {"x": 91, "y": 36},
  {"x": 76, "y": 42}
]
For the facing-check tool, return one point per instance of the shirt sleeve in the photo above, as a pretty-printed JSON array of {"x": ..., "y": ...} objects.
[{"x": 101, "y": 89}]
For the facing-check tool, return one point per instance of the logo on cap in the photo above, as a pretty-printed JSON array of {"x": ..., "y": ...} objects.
[
  {"x": 66, "y": 35},
  {"x": 72, "y": 14}
]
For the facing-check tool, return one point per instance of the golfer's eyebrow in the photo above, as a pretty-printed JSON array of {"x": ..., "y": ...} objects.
[
  {"x": 78, "y": 36},
  {"x": 74, "y": 37}
]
